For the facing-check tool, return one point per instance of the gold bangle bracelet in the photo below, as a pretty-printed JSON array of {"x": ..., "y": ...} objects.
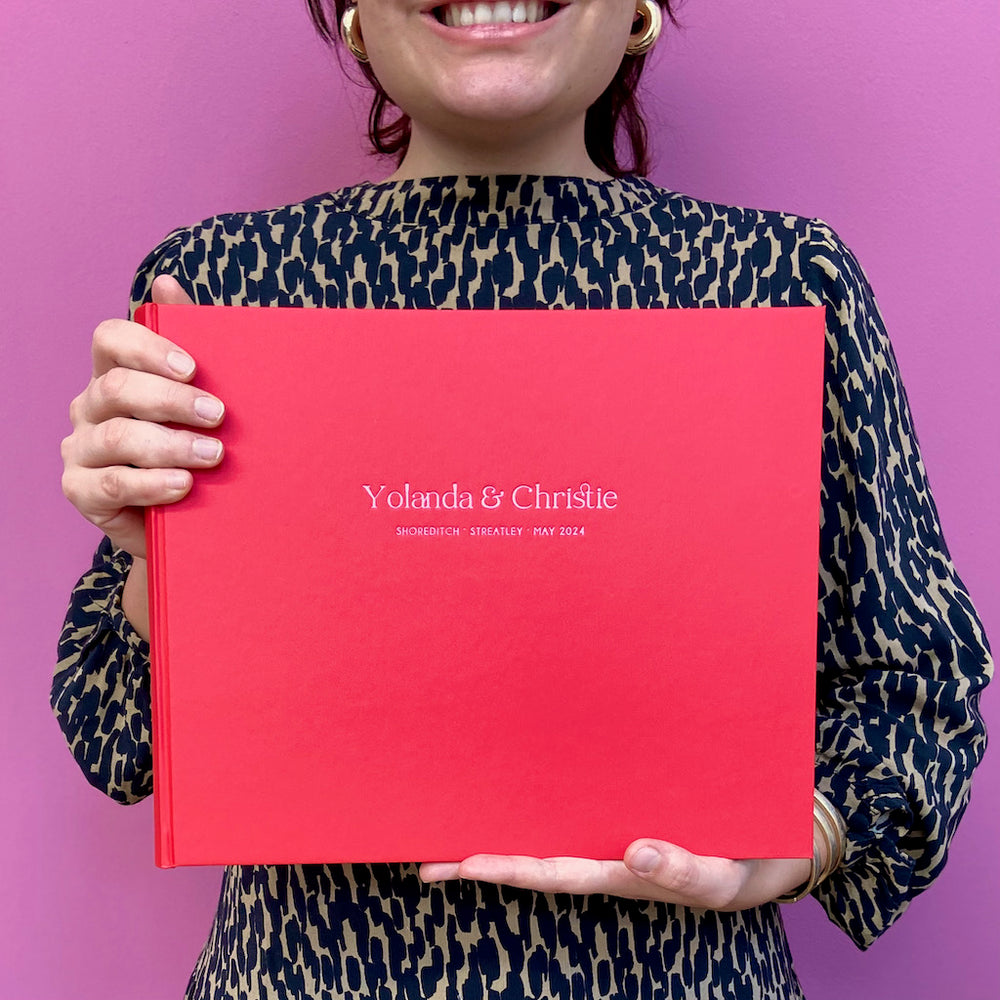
[
  {"x": 832, "y": 834},
  {"x": 835, "y": 827}
]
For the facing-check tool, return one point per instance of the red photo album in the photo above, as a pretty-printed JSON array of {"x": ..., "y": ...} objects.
[{"x": 520, "y": 582}]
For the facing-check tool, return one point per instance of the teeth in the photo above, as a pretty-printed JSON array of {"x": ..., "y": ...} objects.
[{"x": 465, "y": 15}]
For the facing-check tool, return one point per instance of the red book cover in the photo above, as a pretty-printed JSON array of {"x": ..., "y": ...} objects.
[{"x": 515, "y": 582}]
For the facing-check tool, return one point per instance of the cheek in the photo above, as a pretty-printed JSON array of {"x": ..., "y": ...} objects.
[
  {"x": 597, "y": 65},
  {"x": 397, "y": 54},
  {"x": 602, "y": 43}
]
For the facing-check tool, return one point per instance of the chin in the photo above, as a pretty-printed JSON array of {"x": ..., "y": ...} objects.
[
  {"x": 478, "y": 98},
  {"x": 494, "y": 113}
]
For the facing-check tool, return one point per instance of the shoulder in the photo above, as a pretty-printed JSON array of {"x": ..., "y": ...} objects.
[
  {"x": 240, "y": 257},
  {"x": 828, "y": 269},
  {"x": 272, "y": 227},
  {"x": 766, "y": 257},
  {"x": 718, "y": 220},
  {"x": 735, "y": 255},
  {"x": 816, "y": 240}
]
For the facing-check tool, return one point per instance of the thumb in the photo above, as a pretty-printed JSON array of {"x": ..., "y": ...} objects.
[
  {"x": 167, "y": 291},
  {"x": 665, "y": 864},
  {"x": 688, "y": 878}
]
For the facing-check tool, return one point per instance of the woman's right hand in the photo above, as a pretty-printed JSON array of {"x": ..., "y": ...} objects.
[{"x": 120, "y": 457}]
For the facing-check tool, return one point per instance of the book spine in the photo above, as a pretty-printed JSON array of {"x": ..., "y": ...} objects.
[{"x": 159, "y": 668}]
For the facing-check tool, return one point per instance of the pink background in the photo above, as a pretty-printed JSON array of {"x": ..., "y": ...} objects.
[{"x": 123, "y": 120}]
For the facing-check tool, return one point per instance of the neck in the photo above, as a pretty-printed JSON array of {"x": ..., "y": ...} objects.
[{"x": 434, "y": 154}]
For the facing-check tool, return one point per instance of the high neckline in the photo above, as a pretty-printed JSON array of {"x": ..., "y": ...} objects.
[{"x": 497, "y": 201}]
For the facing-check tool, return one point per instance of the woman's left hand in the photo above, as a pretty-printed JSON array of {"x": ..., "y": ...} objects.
[{"x": 651, "y": 869}]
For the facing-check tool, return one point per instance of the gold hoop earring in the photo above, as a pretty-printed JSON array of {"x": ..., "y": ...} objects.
[
  {"x": 350, "y": 32},
  {"x": 641, "y": 41}
]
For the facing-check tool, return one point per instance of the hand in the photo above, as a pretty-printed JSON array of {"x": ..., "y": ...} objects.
[
  {"x": 119, "y": 457},
  {"x": 651, "y": 869}
]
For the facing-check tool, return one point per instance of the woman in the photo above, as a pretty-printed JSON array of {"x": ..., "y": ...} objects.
[{"x": 508, "y": 193}]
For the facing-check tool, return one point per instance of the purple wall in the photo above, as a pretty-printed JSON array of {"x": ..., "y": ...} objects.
[{"x": 123, "y": 120}]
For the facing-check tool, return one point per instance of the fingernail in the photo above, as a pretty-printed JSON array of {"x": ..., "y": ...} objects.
[
  {"x": 177, "y": 479},
  {"x": 644, "y": 860},
  {"x": 181, "y": 363},
  {"x": 207, "y": 449},
  {"x": 208, "y": 408}
]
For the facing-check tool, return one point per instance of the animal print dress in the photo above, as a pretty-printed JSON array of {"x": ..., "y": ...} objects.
[{"x": 901, "y": 656}]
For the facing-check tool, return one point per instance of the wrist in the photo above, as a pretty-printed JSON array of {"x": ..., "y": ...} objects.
[
  {"x": 829, "y": 842},
  {"x": 135, "y": 597}
]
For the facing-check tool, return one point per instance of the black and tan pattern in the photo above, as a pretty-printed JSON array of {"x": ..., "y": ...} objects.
[{"x": 901, "y": 658}]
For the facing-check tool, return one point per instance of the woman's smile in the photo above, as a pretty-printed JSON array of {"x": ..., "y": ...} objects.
[
  {"x": 478, "y": 14},
  {"x": 500, "y": 21}
]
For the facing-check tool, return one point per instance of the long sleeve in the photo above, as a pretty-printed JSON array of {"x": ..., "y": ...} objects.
[
  {"x": 902, "y": 655},
  {"x": 100, "y": 691}
]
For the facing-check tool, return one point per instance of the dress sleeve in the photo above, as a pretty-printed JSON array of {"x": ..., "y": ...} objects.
[
  {"x": 100, "y": 691},
  {"x": 902, "y": 656}
]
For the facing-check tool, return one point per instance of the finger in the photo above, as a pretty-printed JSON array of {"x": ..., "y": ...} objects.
[
  {"x": 693, "y": 879},
  {"x": 563, "y": 874},
  {"x": 102, "y": 494},
  {"x": 168, "y": 291},
  {"x": 119, "y": 343},
  {"x": 122, "y": 392},
  {"x": 438, "y": 871},
  {"x": 123, "y": 441}
]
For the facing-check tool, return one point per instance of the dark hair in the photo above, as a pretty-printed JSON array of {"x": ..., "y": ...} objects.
[{"x": 617, "y": 108}]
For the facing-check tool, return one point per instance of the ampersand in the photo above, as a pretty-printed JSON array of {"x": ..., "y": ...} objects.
[{"x": 491, "y": 497}]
